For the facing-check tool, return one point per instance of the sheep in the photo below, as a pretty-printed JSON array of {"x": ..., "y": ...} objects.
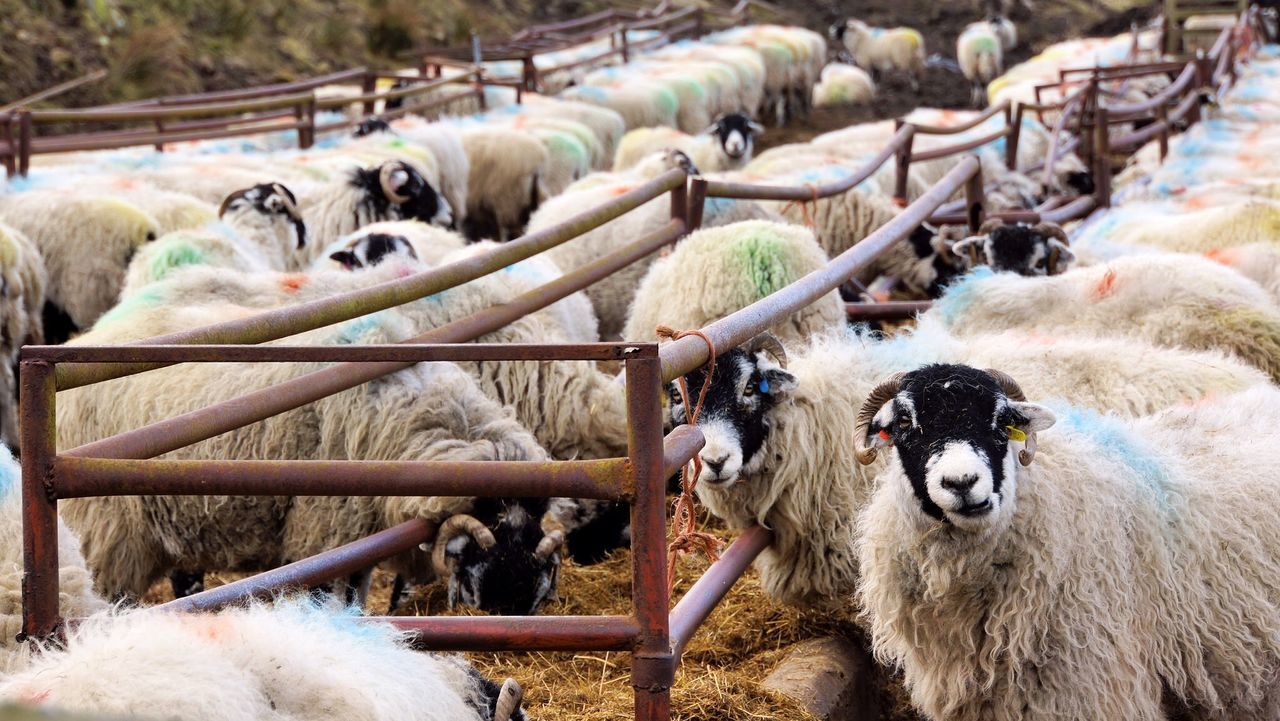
[
  {"x": 612, "y": 296},
  {"x": 1039, "y": 250},
  {"x": 1118, "y": 569},
  {"x": 843, "y": 84},
  {"x": 445, "y": 146},
  {"x": 1170, "y": 300},
  {"x": 22, "y": 293},
  {"x": 411, "y": 239},
  {"x": 880, "y": 50},
  {"x": 1198, "y": 231},
  {"x": 981, "y": 59},
  {"x": 393, "y": 190},
  {"x": 777, "y": 447},
  {"x": 641, "y": 104},
  {"x": 716, "y": 271},
  {"x": 261, "y": 230},
  {"x": 128, "y": 546},
  {"x": 504, "y": 186},
  {"x": 293, "y": 660},
  {"x": 726, "y": 144},
  {"x": 86, "y": 242},
  {"x": 75, "y": 584}
]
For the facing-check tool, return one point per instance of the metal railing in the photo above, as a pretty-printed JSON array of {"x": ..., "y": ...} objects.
[{"x": 276, "y": 108}]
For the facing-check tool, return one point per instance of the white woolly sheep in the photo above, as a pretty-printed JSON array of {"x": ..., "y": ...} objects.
[
  {"x": 612, "y": 296},
  {"x": 778, "y": 452},
  {"x": 843, "y": 84},
  {"x": 86, "y": 242},
  {"x": 717, "y": 271},
  {"x": 393, "y": 190},
  {"x": 126, "y": 546},
  {"x": 1121, "y": 569},
  {"x": 726, "y": 145},
  {"x": 880, "y": 50},
  {"x": 261, "y": 229},
  {"x": 75, "y": 585},
  {"x": 641, "y": 104},
  {"x": 981, "y": 58},
  {"x": 289, "y": 661},
  {"x": 1168, "y": 299},
  {"x": 504, "y": 186},
  {"x": 22, "y": 292}
]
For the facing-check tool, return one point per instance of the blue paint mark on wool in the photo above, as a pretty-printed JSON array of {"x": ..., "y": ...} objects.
[
  {"x": 355, "y": 330},
  {"x": 591, "y": 92},
  {"x": 1114, "y": 438},
  {"x": 962, "y": 294},
  {"x": 10, "y": 472}
]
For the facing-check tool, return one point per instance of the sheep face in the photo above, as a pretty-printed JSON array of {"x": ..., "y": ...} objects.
[
  {"x": 269, "y": 204},
  {"x": 952, "y": 427},
  {"x": 735, "y": 132},
  {"x": 1081, "y": 181},
  {"x": 397, "y": 191},
  {"x": 371, "y": 125},
  {"x": 1029, "y": 250},
  {"x": 370, "y": 250},
  {"x": 735, "y": 418},
  {"x": 506, "y": 565}
]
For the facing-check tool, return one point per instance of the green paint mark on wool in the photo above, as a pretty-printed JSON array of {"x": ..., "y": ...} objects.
[
  {"x": 563, "y": 144},
  {"x": 148, "y": 297},
  {"x": 8, "y": 250},
  {"x": 763, "y": 259},
  {"x": 985, "y": 43},
  {"x": 665, "y": 99},
  {"x": 171, "y": 255}
]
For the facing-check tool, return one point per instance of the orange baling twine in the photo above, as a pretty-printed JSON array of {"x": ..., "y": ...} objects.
[
  {"x": 686, "y": 538},
  {"x": 808, "y": 208}
]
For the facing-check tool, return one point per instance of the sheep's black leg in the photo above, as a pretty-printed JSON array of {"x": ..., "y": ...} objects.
[
  {"x": 186, "y": 583},
  {"x": 397, "y": 592}
]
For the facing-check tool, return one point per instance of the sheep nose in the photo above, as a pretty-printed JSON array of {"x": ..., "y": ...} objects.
[
  {"x": 959, "y": 484},
  {"x": 716, "y": 464}
]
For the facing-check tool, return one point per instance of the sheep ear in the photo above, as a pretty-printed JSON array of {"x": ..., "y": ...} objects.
[
  {"x": 778, "y": 383},
  {"x": 1037, "y": 417},
  {"x": 756, "y": 128},
  {"x": 346, "y": 258}
]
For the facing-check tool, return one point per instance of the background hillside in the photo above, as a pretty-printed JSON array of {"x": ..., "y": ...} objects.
[{"x": 157, "y": 47}]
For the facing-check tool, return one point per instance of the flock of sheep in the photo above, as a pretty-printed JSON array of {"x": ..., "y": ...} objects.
[{"x": 1119, "y": 564}]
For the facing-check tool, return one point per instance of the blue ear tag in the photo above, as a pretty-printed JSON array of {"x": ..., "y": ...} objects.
[{"x": 764, "y": 385}]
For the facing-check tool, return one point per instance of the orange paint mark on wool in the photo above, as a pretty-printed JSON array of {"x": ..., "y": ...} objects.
[
  {"x": 34, "y": 697},
  {"x": 1106, "y": 286},
  {"x": 293, "y": 282},
  {"x": 1225, "y": 256},
  {"x": 1198, "y": 202}
]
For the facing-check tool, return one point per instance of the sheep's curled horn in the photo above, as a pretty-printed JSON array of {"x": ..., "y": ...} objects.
[
  {"x": 1052, "y": 230},
  {"x": 388, "y": 187},
  {"x": 287, "y": 200},
  {"x": 881, "y": 394},
  {"x": 770, "y": 344},
  {"x": 509, "y": 699},
  {"x": 1014, "y": 392},
  {"x": 456, "y": 526},
  {"x": 549, "y": 544}
]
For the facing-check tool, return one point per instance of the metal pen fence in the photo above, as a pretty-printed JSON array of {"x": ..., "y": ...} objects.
[{"x": 653, "y": 633}]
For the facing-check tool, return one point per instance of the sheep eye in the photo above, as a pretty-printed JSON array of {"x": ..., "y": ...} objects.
[
  {"x": 749, "y": 391},
  {"x": 904, "y": 422}
]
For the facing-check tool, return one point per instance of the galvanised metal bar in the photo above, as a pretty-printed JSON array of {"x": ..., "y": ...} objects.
[
  {"x": 87, "y": 477},
  {"x": 888, "y": 310},
  {"x": 296, "y": 319},
  {"x": 40, "y": 617},
  {"x": 652, "y": 663},
  {"x": 752, "y": 191},
  {"x": 397, "y": 352},
  {"x": 681, "y": 356},
  {"x": 707, "y": 592},
  {"x": 313, "y": 571},
  {"x": 168, "y": 435},
  {"x": 518, "y": 633}
]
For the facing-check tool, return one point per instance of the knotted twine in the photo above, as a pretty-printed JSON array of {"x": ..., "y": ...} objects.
[
  {"x": 808, "y": 208},
  {"x": 685, "y": 536}
]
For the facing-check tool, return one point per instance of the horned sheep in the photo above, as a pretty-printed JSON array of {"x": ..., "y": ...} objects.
[
  {"x": 392, "y": 190},
  {"x": 1116, "y": 569},
  {"x": 777, "y": 447},
  {"x": 726, "y": 144},
  {"x": 1171, "y": 300}
]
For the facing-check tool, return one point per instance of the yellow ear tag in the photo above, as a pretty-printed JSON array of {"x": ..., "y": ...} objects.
[{"x": 1015, "y": 434}]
